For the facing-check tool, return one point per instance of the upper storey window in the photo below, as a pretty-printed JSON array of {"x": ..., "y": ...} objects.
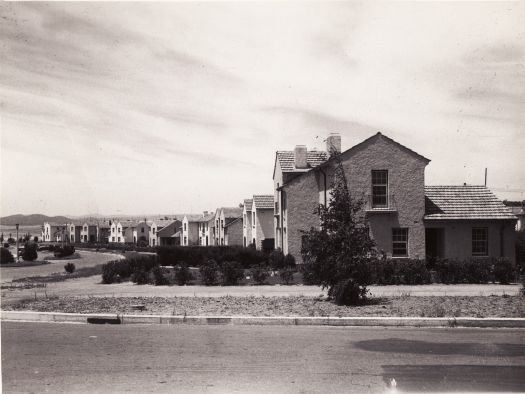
[{"x": 379, "y": 188}]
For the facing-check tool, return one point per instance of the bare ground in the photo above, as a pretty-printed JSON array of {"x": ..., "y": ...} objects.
[{"x": 447, "y": 306}]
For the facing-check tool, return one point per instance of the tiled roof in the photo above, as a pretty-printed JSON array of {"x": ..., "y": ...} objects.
[
  {"x": 248, "y": 204},
  {"x": 232, "y": 212},
  {"x": 518, "y": 210},
  {"x": 194, "y": 218},
  {"x": 313, "y": 159},
  {"x": 463, "y": 202},
  {"x": 207, "y": 218},
  {"x": 168, "y": 229},
  {"x": 263, "y": 201},
  {"x": 128, "y": 223}
]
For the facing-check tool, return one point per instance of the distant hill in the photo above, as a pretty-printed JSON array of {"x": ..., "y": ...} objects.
[{"x": 31, "y": 220}]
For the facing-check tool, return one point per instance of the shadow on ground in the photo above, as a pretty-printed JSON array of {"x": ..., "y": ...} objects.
[{"x": 455, "y": 378}]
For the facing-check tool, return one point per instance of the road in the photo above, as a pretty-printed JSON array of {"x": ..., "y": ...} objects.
[{"x": 51, "y": 357}]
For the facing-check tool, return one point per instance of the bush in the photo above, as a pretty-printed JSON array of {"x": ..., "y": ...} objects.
[
  {"x": 208, "y": 273},
  {"x": 114, "y": 271},
  {"x": 231, "y": 273},
  {"x": 140, "y": 277},
  {"x": 259, "y": 273},
  {"x": 6, "y": 256},
  {"x": 159, "y": 279},
  {"x": 503, "y": 271},
  {"x": 70, "y": 268},
  {"x": 183, "y": 274},
  {"x": 6, "y": 245},
  {"x": 65, "y": 251},
  {"x": 286, "y": 275},
  {"x": 30, "y": 251},
  {"x": 11, "y": 241},
  {"x": 289, "y": 260},
  {"x": 348, "y": 292},
  {"x": 276, "y": 259}
]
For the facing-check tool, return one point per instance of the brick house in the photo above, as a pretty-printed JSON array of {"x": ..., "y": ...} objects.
[
  {"x": 190, "y": 230},
  {"x": 143, "y": 231},
  {"x": 206, "y": 229},
  {"x": 388, "y": 177},
  {"x": 261, "y": 221},
  {"x": 169, "y": 235},
  {"x": 224, "y": 217},
  {"x": 159, "y": 224},
  {"x": 467, "y": 221}
]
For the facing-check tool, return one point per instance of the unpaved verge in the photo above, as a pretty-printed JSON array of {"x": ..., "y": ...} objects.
[{"x": 495, "y": 306}]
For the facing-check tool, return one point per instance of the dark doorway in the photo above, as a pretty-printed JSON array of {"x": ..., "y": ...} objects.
[{"x": 434, "y": 243}]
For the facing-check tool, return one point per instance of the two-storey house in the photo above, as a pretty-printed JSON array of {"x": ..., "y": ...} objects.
[
  {"x": 206, "y": 227},
  {"x": 258, "y": 222},
  {"x": 247, "y": 222},
  {"x": 229, "y": 217}
]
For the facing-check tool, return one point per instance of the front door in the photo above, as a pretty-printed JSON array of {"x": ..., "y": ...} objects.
[{"x": 434, "y": 243}]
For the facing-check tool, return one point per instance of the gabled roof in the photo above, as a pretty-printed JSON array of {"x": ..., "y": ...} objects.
[
  {"x": 263, "y": 201},
  {"x": 161, "y": 223},
  {"x": 128, "y": 223},
  {"x": 463, "y": 202},
  {"x": 232, "y": 212},
  {"x": 169, "y": 229},
  {"x": 287, "y": 160},
  {"x": 248, "y": 204}
]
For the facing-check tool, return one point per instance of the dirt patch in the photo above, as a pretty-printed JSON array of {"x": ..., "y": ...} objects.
[{"x": 495, "y": 306}]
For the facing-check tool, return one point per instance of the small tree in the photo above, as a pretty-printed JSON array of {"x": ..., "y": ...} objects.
[
  {"x": 276, "y": 259},
  {"x": 337, "y": 254},
  {"x": 6, "y": 256},
  {"x": 183, "y": 274},
  {"x": 30, "y": 251},
  {"x": 231, "y": 273},
  {"x": 208, "y": 273}
]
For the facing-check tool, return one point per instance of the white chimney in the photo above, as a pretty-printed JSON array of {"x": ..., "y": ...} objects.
[
  {"x": 300, "y": 156},
  {"x": 333, "y": 143}
]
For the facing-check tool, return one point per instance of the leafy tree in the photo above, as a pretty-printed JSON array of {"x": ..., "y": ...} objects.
[
  {"x": 69, "y": 268},
  {"x": 337, "y": 255},
  {"x": 6, "y": 256},
  {"x": 30, "y": 251}
]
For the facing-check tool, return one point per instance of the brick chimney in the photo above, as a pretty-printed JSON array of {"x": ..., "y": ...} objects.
[
  {"x": 333, "y": 143},
  {"x": 300, "y": 156}
]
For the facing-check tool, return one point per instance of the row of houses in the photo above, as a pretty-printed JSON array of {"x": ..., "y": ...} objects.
[{"x": 405, "y": 217}]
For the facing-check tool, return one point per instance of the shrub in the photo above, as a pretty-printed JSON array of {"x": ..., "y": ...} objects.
[
  {"x": 11, "y": 240},
  {"x": 114, "y": 271},
  {"x": 183, "y": 274},
  {"x": 503, "y": 271},
  {"x": 159, "y": 279},
  {"x": 30, "y": 251},
  {"x": 289, "y": 260},
  {"x": 276, "y": 259},
  {"x": 70, "y": 268},
  {"x": 65, "y": 251},
  {"x": 6, "y": 245},
  {"x": 140, "y": 277},
  {"x": 259, "y": 273},
  {"x": 286, "y": 275},
  {"x": 309, "y": 277},
  {"x": 6, "y": 256},
  {"x": 231, "y": 273},
  {"x": 208, "y": 273}
]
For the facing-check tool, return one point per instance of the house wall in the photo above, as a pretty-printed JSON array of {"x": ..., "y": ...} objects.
[
  {"x": 263, "y": 225},
  {"x": 234, "y": 235},
  {"x": 458, "y": 237},
  {"x": 143, "y": 230},
  {"x": 247, "y": 226},
  {"x": 277, "y": 182}
]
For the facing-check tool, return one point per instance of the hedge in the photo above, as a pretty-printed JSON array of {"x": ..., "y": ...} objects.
[
  {"x": 133, "y": 267},
  {"x": 196, "y": 256}
]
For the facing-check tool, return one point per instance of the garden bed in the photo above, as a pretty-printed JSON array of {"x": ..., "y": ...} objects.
[{"x": 404, "y": 306}]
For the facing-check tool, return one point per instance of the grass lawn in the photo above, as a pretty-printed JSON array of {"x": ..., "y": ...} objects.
[{"x": 438, "y": 306}]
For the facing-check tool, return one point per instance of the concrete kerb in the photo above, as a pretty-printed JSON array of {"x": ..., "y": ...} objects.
[{"x": 29, "y": 316}]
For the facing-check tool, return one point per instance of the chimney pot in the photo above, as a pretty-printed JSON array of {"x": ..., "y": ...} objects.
[
  {"x": 333, "y": 143},
  {"x": 300, "y": 153}
]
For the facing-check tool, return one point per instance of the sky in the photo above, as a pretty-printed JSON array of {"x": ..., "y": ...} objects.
[{"x": 154, "y": 108}]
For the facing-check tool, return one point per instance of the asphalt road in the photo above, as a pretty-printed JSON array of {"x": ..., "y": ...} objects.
[{"x": 50, "y": 357}]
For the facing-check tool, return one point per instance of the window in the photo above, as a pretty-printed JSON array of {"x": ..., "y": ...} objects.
[
  {"x": 399, "y": 242},
  {"x": 118, "y": 239},
  {"x": 142, "y": 229},
  {"x": 185, "y": 240},
  {"x": 112, "y": 239},
  {"x": 154, "y": 229},
  {"x": 379, "y": 188},
  {"x": 253, "y": 219},
  {"x": 480, "y": 241},
  {"x": 184, "y": 226},
  {"x": 153, "y": 241},
  {"x": 119, "y": 230}
]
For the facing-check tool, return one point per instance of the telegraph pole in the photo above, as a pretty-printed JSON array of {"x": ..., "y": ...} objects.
[{"x": 17, "y": 254}]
